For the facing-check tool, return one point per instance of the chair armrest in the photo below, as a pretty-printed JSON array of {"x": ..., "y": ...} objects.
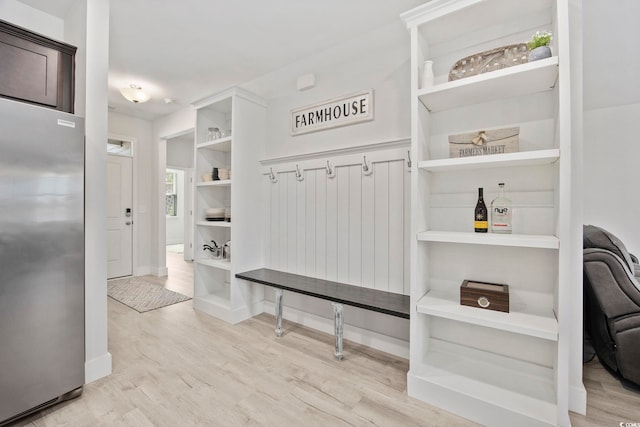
[
  {"x": 612, "y": 282},
  {"x": 627, "y": 323}
]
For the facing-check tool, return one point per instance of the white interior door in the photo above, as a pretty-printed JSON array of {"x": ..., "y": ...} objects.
[
  {"x": 119, "y": 216},
  {"x": 188, "y": 215}
]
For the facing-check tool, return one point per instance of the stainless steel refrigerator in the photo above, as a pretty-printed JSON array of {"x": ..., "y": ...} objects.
[{"x": 41, "y": 257}]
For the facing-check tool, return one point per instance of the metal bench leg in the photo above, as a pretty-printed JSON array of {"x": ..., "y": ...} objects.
[
  {"x": 338, "y": 323},
  {"x": 278, "y": 312}
]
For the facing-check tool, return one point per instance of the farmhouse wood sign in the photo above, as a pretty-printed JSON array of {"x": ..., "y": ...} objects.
[{"x": 346, "y": 110}]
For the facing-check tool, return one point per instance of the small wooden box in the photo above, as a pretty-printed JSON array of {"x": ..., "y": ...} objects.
[
  {"x": 489, "y": 296},
  {"x": 484, "y": 142}
]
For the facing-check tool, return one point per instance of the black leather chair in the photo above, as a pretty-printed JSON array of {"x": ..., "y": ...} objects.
[{"x": 611, "y": 277}]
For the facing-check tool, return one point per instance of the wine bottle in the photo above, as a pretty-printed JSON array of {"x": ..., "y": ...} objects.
[
  {"x": 501, "y": 213},
  {"x": 481, "y": 220}
]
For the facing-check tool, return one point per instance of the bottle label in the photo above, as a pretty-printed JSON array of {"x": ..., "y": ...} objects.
[
  {"x": 481, "y": 224},
  {"x": 501, "y": 218}
]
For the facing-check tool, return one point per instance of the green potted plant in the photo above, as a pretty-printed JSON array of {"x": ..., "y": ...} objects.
[{"x": 539, "y": 46}]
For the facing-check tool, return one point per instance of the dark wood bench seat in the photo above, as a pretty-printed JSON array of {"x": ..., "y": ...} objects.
[{"x": 338, "y": 293}]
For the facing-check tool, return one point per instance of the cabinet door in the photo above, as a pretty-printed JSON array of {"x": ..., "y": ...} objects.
[
  {"x": 36, "y": 69},
  {"x": 28, "y": 71}
]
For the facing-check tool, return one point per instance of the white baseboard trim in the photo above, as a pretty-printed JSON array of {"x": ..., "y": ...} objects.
[
  {"x": 97, "y": 368},
  {"x": 578, "y": 399},
  {"x": 246, "y": 312},
  {"x": 143, "y": 270},
  {"x": 381, "y": 342},
  {"x": 161, "y": 272}
]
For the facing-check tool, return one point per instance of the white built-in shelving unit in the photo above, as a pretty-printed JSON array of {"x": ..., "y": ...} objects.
[
  {"x": 216, "y": 289},
  {"x": 492, "y": 367}
]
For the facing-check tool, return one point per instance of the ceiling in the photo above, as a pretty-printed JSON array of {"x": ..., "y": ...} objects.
[{"x": 184, "y": 50}]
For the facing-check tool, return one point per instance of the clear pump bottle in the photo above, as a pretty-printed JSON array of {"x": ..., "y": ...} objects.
[{"x": 501, "y": 213}]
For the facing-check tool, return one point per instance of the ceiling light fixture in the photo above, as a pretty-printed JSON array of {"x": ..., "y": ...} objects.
[{"x": 135, "y": 94}]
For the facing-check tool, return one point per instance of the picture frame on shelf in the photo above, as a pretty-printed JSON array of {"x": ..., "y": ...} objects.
[{"x": 485, "y": 142}]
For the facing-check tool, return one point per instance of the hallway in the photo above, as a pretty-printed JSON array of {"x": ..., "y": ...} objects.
[{"x": 180, "y": 277}]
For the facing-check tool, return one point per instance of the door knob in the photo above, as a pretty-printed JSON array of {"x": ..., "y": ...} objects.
[{"x": 129, "y": 222}]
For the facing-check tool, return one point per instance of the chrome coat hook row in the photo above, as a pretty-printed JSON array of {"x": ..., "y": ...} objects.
[{"x": 367, "y": 168}]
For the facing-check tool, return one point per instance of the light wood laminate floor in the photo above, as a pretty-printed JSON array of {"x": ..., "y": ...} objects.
[{"x": 177, "y": 367}]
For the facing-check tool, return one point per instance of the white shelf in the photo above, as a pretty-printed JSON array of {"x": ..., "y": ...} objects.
[
  {"x": 507, "y": 384},
  {"x": 218, "y": 183},
  {"x": 216, "y": 289},
  {"x": 509, "y": 376},
  {"x": 519, "y": 80},
  {"x": 222, "y": 144},
  {"x": 526, "y": 322},
  {"x": 222, "y": 224},
  {"x": 516, "y": 240},
  {"x": 215, "y": 263},
  {"x": 525, "y": 158}
]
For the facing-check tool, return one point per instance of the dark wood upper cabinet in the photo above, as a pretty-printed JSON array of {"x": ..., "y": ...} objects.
[{"x": 36, "y": 69}]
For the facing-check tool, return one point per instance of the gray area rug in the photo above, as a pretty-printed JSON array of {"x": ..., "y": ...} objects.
[{"x": 141, "y": 295}]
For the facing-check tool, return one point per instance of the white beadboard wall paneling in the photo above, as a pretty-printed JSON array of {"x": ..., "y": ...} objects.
[
  {"x": 353, "y": 209},
  {"x": 368, "y": 231},
  {"x": 333, "y": 234},
  {"x": 301, "y": 237},
  {"x": 310, "y": 223},
  {"x": 282, "y": 218},
  {"x": 381, "y": 208},
  {"x": 342, "y": 220},
  {"x": 348, "y": 226}
]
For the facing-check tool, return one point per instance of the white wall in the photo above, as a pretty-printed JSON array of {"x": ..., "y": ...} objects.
[
  {"x": 164, "y": 128},
  {"x": 180, "y": 152},
  {"x": 612, "y": 172},
  {"x": 377, "y": 60},
  {"x": 33, "y": 19},
  {"x": 141, "y": 130},
  {"x": 612, "y": 107},
  {"x": 97, "y": 64}
]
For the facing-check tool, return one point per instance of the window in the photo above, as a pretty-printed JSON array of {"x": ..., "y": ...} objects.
[
  {"x": 171, "y": 191},
  {"x": 118, "y": 147}
]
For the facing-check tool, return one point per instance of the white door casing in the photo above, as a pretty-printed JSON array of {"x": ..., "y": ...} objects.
[
  {"x": 119, "y": 220},
  {"x": 188, "y": 214}
]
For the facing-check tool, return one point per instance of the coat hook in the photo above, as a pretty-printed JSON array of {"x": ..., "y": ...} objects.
[
  {"x": 367, "y": 168},
  {"x": 409, "y": 161},
  {"x": 299, "y": 175},
  {"x": 331, "y": 171},
  {"x": 272, "y": 176}
]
